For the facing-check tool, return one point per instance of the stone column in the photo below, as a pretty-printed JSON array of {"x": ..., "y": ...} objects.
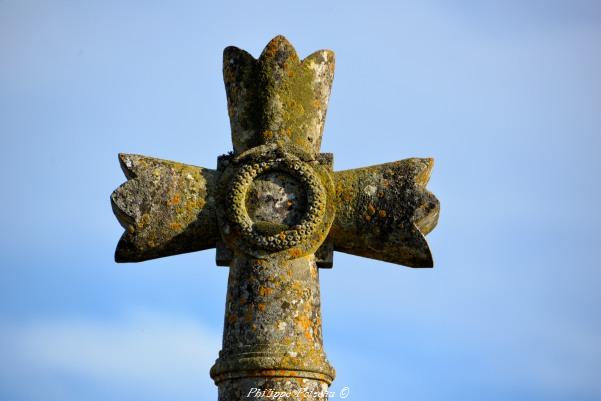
[{"x": 272, "y": 340}]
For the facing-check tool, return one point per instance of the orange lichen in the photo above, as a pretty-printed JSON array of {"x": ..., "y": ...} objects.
[
  {"x": 296, "y": 253},
  {"x": 314, "y": 273},
  {"x": 371, "y": 209},
  {"x": 265, "y": 291}
]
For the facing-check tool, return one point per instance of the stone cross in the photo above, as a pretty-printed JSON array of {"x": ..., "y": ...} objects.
[{"x": 275, "y": 211}]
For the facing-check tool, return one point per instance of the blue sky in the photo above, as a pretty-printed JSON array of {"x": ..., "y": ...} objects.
[{"x": 505, "y": 95}]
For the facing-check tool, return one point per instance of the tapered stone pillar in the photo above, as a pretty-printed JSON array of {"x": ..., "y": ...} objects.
[{"x": 272, "y": 337}]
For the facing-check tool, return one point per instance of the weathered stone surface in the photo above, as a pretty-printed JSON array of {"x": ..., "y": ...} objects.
[
  {"x": 275, "y": 210},
  {"x": 166, "y": 208},
  {"x": 272, "y": 387},
  {"x": 272, "y": 321},
  {"x": 276, "y": 197},
  {"x": 384, "y": 211},
  {"x": 270, "y": 239},
  {"x": 277, "y": 98}
]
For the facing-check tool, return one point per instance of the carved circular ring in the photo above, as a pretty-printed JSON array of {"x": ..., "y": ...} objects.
[{"x": 295, "y": 235}]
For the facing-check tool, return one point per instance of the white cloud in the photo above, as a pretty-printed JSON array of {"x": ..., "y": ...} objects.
[{"x": 144, "y": 356}]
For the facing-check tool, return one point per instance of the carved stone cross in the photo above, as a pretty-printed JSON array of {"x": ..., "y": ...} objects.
[{"x": 275, "y": 210}]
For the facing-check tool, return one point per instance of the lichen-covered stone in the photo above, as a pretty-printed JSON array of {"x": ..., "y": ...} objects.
[
  {"x": 266, "y": 238},
  {"x": 272, "y": 321},
  {"x": 275, "y": 210},
  {"x": 277, "y": 98},
  {"x": 273, "y": 387},
  {"x": 384, "y": 211},
  {"x": 167, "y": 208}
]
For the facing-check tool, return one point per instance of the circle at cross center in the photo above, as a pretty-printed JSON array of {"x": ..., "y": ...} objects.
[
  {"x": 274, "y": 234},
  {"x": 276, "y": 197}
]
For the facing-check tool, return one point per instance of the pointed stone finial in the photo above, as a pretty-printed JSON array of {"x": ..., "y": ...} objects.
[{"x": 277, "y": 98}]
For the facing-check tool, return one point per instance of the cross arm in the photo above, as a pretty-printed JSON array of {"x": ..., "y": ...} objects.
[
  {"x": 384, "y": 211},
  {"x": 165, "y": 207}
]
